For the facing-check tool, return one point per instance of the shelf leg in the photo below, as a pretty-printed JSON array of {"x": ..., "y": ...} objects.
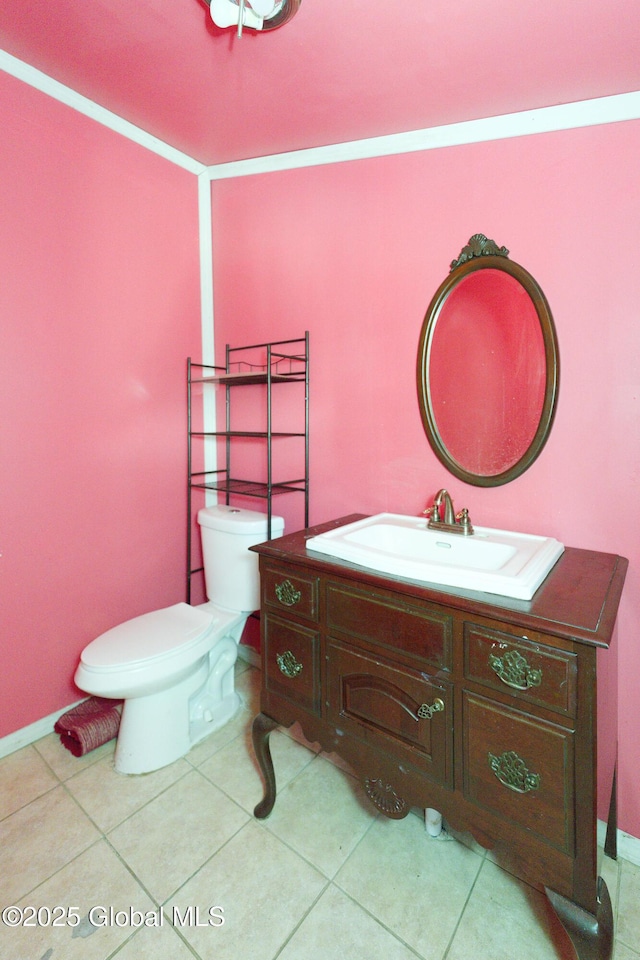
[
  {"x": 591, "y": 934},
  {"x": 262, "y": 727}
]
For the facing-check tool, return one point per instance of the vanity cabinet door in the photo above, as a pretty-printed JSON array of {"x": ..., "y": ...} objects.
[
  {"x": 401, "y": 711},
  {"x": 521, "y": 768},
  {"x": 291, "y": 662}
]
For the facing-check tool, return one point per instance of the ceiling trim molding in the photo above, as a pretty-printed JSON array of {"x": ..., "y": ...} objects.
[
  {"x": 52, "y": 88},
  {"x": 569, "y": 116},
  {"x": 586, "y": 113}
]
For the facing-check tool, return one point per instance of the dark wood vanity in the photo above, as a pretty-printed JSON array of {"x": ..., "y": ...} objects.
[{"x": 479, "y": 706}]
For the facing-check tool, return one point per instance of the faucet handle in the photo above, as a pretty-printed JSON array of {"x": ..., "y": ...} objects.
[{"x": 463, "y": 519}]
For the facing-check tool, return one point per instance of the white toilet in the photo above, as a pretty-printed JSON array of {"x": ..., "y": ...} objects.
[{"x": 174, "y": 668}]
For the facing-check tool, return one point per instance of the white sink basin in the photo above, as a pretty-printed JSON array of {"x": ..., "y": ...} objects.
[{"x": 493, "y": 561}]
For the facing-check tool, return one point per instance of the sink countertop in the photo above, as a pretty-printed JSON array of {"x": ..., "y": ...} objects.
[{"x": 578, "y": 599}]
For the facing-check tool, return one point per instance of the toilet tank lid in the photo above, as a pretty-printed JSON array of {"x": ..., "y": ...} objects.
[
  {"x": 237, "y": 520},
  {"x": 150, "y": 635}
]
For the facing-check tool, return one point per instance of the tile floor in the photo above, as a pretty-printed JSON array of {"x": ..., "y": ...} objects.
[{"x": 149, "y": 866}]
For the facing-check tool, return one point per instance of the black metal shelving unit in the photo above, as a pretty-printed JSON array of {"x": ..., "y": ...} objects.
[{"x": 266, "y": 365}]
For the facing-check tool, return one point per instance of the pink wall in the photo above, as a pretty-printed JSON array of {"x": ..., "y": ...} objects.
[
  {"x": 99, "y": 307},
  {"x": 354, "y": 251}
]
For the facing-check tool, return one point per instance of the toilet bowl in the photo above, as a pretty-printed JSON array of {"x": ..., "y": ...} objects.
[{"x": 174, "y": 667}]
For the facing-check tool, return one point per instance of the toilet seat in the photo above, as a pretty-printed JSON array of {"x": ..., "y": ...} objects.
[
  {"x": 174, "y": 670},
  {"x": 156, "y": 636},
  {"x": 141, "y": 656}
]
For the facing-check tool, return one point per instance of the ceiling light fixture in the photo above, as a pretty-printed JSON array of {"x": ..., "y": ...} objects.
[{"x": 255, "y": 14}]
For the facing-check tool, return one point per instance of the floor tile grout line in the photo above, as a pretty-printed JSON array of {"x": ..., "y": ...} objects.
[
  {"x": 28, "y": 803},
  {"x": 265, "y": 825},
  {"x": 483, "y": 861},
  {"x": 83, "y": 756},
  {"x": 626, "y": 945},
  {"x": 103, "y": 837},
  {"x": 64, "y": 866},
  {"x": 376, "y": 920},
  {"x": 114, "y": 953},
  {"x": 336, "y": 884},
  {"x": 178, "y": 933},
  {"x": 123, "y": 945},
  {"x": 105, "y": 834},
  {"x": 616, "y": 903},
  {"x": 32, "y": 747},
  {"x": 163, "y": 903},
  {"x": 320, "y": 757},
  {"x": 157, "y": 901},
  {"x": 332, "y": 883},
  {"x": 96, "y": 840},
  {"x": 307, "y": 914},
  {"x": 230, "y": 797},
  {"x": 250, "y": 812},
  {"x": 131, "y": 871},
  {"x": 133, "y": 812},
  {"x": 617, "y": 915}
]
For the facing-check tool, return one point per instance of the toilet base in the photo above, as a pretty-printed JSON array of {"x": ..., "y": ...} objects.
[
  {"x": 215, "y": 719},
  {"x": 160, "y": 728},
  {"x": 154, "y": 730},
  {"x": 217, "y": 702}
]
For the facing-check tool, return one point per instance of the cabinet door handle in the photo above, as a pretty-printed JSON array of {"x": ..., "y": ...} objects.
[
  {"x": 288, "y": 664},
  {"x": 426, "y": 711},
  {"x": 514, "y": 671},
  {"x": 287, "y": 593},
  {"x": 511, "y": 771}
]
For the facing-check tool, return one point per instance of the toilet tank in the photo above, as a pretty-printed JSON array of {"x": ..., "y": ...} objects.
[{"x": 231, "y": 573}]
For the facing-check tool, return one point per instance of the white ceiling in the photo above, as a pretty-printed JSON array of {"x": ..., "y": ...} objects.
[{"x": 340, "y": 70}]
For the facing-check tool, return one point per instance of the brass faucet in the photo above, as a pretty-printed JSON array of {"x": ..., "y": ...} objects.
[{"x": 448, "y": 520}]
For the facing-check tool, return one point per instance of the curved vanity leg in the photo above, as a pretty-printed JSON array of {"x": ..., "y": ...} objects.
[
  {"x": 262, "y": 727},
  {"x": 591, "y": 934}
]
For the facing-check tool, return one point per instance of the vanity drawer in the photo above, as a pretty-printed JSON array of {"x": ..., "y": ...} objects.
[
  {"x": 385, "y": 619},
  {"x": 520, "y": 768},
  {"x": 401, "y": 711},
  {"x": 521, "y": 667},
  {"x": 291, "y": 662},
  {"x": 290, "y": 592}
]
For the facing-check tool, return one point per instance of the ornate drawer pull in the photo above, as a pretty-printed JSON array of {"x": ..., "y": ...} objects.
[
  {"x": 288, "y": 664},
  {"x": 287, "y": 593},
  {"x": 514, "y": 670},
  {"x": 511, "y": 771},
  {"x": 425, "y": 712}
]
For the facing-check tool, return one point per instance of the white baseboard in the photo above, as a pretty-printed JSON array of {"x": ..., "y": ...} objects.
[
  {"x": 35, "y": 731},
  {"x": 628, "y": 846}
]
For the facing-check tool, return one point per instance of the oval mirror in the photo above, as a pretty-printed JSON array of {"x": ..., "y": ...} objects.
[{"x": 488, "y": 367}]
